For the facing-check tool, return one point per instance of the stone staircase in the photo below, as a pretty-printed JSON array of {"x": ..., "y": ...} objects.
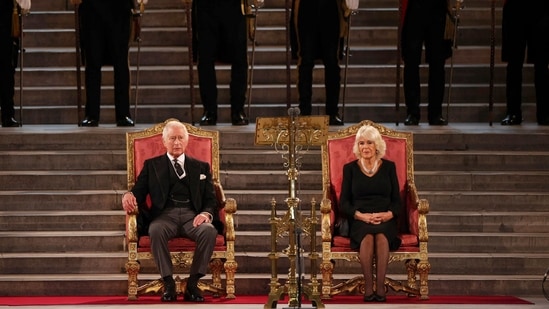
[{"x": 60, "y": 217}]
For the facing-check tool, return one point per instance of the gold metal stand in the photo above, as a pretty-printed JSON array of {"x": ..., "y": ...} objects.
[{"x": 289, "y": 136}]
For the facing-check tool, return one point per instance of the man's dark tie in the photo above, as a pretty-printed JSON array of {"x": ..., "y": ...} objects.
[{"x": 178, "y": 168}]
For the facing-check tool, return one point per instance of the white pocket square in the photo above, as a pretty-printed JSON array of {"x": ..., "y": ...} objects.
[{"x": 202, "y": 176}]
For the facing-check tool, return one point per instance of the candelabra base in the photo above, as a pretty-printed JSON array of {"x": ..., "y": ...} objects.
[{"x": 294, "y": 303}]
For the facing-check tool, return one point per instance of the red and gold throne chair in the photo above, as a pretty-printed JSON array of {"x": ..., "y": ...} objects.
[
  {"x": 203, "y": 145},
  {"x": 336, "y": 152}
]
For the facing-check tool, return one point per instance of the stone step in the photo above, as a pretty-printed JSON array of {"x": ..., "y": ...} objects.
[
  {"x": 52, "y": 5},
  {"x": 489, "y": 222},
  {"x": 73, "y": 180},
  {"x": 62, "y": 241},
  {"x": 68, "y": 220},
  {"x": 486, "y": 201},
  {"x": 64, "y": 137},
  {"x": 481, "y": 160},
  {"x": 483, "y": 181},
  {"x": 486, "y": 242},
  {"x": 59, "y": 263},
  {"x": 60, "y": 200},
  {"x": 62, "y": 160}
]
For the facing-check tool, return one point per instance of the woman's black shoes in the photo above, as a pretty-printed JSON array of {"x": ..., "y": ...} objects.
[
  {"x": 370, "y": 298},
  {"x": 374, "y": 298}
]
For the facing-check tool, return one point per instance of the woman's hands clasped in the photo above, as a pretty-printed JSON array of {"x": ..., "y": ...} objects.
[{"x": 374, "y": 218}]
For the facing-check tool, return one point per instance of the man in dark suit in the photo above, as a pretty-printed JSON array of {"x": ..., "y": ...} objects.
[
  {"x": 424, "y": 22},
  {"x": 105, "y": 35},
  {"x": 221, "y": 36},
  {"x": 525, "y": 33},
  {"x": 9, "y": 47},
  {"x": 183, "y": 204}
]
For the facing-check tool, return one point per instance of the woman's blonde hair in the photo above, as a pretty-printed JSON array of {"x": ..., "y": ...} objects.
[{"x": 372, "y": 134}]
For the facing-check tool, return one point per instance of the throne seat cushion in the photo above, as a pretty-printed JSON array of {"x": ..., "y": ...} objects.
[
  {"x": 180, "y": 244},
  {"x": 343, "y": 244}
]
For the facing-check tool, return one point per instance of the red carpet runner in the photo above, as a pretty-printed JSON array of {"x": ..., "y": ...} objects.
[{"x": 256, "y": 299}]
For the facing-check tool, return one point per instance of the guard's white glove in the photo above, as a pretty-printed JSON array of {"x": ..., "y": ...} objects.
[
  {"x": 24, "y": 4},
  {"x": 259, "y": 3},
  {"x": 352, "y": 4},
  {"x": 143, "y": 1}
]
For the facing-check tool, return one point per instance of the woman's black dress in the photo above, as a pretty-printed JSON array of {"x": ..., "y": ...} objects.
[{"x": 370, "y": 194}]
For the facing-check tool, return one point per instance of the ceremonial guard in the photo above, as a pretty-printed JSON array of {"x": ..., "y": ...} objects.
[
  {"x": 317, "y": 31},
  {"x": 525, "y": 27},
  {"x": 105, "y": 33},
  {"x": 9, "y": 49},
  {"x": 219, "y": 28},
  {"x": 424, "y": 23}
]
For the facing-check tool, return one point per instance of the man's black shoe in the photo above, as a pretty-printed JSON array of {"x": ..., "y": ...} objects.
[
  {"x": 543, "y": 122},
  {"x": 192, "y": 293},
  {"x": 169, "y": 296},
  {"x": 208, "y": 119},
  {"x": 511, "y": 120},
  {"x": 335, "y": 120},
  {"x": 125, "y": 122},
  {"x": 89, "y": 122},
  {"x": 10, "y": 123},
  {"x": 411, "y": 120},
  {"x": 169, "y": 291},
  {"x": 438, "y": 121},
  {"x": 239, "y": 119}
]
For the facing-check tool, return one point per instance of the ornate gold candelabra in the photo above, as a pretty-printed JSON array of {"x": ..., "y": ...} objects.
[{"x": 290, "y": 136}]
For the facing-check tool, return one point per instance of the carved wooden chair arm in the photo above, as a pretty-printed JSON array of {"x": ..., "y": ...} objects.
[
  {"x": 131, "y": 227},
  {"x": 230, "y": 211},
  {"x": 326, "y": 220}
]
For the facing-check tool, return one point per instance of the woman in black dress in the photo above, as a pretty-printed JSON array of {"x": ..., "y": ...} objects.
[{"x": 370, "y": 199}]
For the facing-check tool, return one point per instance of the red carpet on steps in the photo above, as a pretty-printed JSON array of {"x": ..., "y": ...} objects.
[{"x": 256, "y": 299}]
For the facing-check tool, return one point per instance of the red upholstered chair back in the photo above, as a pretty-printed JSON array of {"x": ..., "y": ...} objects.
[{"x": 339, "y": 151}]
